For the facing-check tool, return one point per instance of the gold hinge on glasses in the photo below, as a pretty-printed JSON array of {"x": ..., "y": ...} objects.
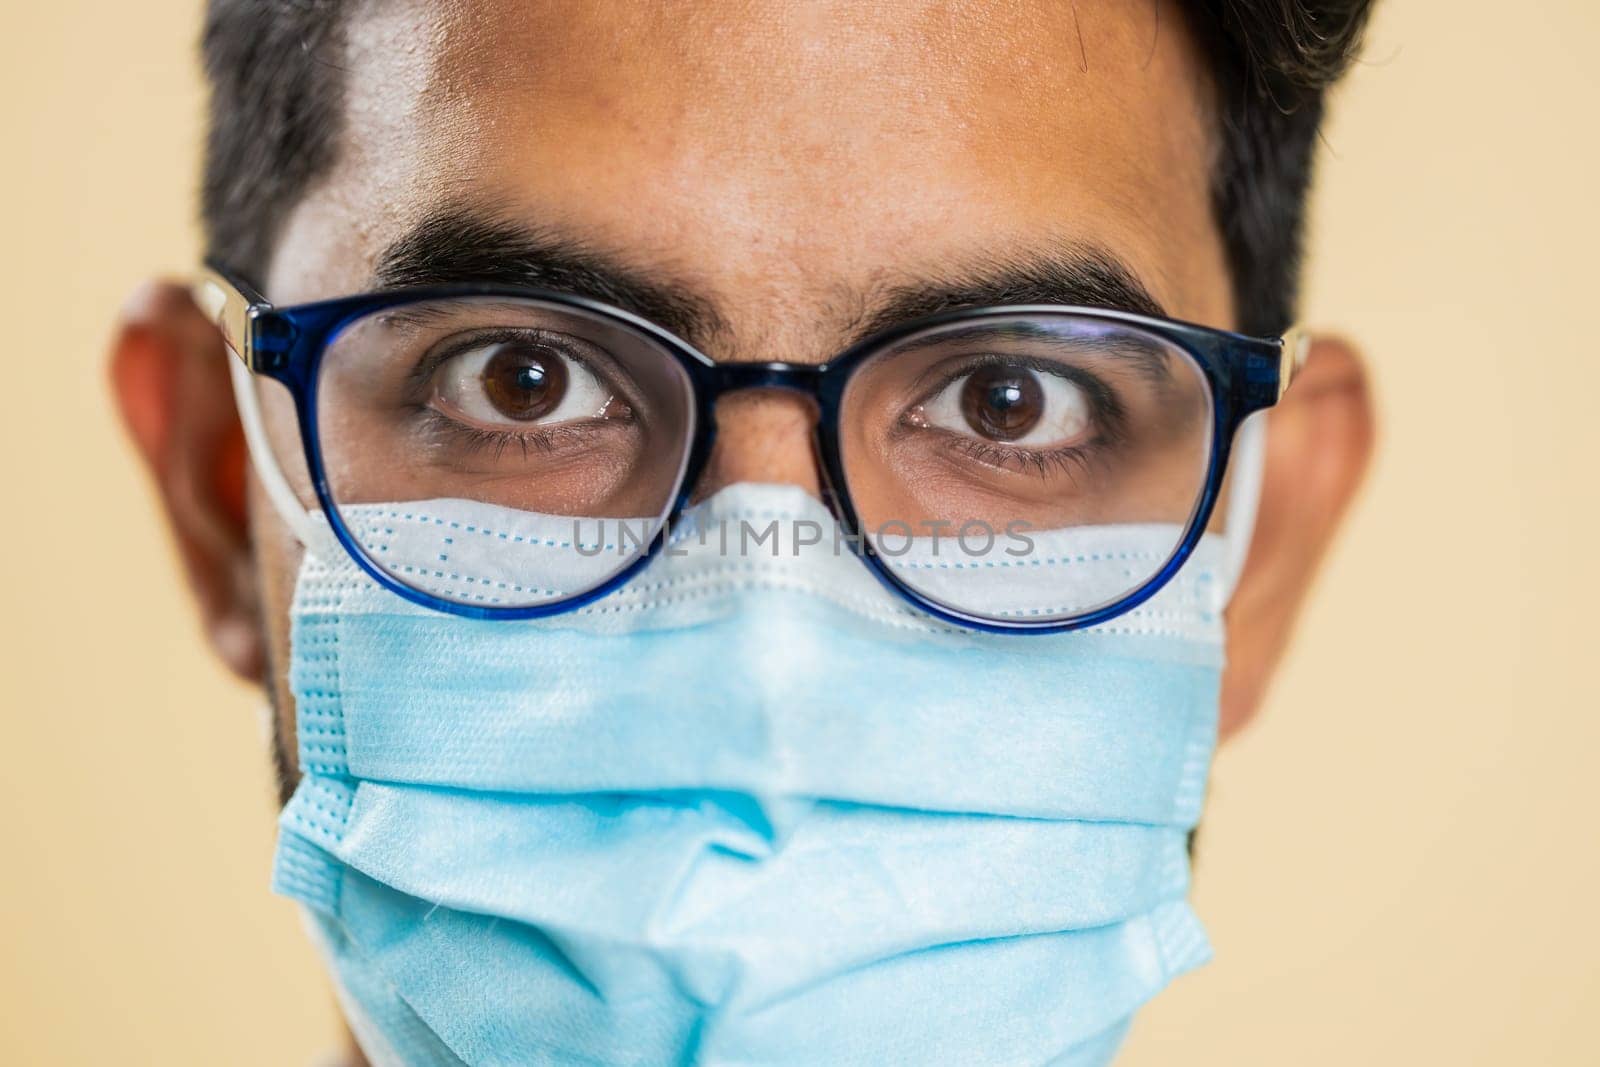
[
  {"x": 227, "y": 309},
  {"x": 1296, "y": 345}
]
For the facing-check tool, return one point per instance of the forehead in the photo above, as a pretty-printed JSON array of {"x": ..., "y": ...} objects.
[{"x": 785, "y": 159}]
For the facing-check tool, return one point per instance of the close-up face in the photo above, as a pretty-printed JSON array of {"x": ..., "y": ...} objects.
[
  {"x": 781, "y": 181},
  {"x": 782, "y": 533},
  {"x": 533, "y": 305}
]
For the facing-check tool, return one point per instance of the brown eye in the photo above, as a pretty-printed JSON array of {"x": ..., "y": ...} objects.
[
  {"x": 1011, "y": 405},
  {"x": 523, "y": 381},
  {"x": 1002, "y": 403},
  {"x": 514, "y": 382}
]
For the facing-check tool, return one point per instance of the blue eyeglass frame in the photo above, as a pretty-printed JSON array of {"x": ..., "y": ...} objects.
[{"x": 286, "y": 344}]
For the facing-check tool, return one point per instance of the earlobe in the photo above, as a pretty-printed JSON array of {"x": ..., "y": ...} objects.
[
  {"x": 169, "y": 375},
  {"x": 1319, "y": 441}
]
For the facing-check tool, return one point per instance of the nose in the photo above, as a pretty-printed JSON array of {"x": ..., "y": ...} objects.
[{"x": 763, "y": 435}]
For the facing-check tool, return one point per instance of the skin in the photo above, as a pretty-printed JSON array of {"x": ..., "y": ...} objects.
[{"x": 789, "y": 164}]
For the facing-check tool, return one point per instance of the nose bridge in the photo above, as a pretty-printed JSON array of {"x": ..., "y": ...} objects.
[{"x": 765, "y": 416}]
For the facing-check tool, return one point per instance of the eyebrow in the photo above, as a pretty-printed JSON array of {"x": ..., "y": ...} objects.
[
  {"x": 462, "y": 245},
  {"x": 1075, "y": 275},
  {"x": 458, "y": 246}
]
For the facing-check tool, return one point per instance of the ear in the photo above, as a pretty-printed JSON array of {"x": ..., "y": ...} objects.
[
  {"x": 1319, "y": 438},
  {"x": 169, "y": 372}
]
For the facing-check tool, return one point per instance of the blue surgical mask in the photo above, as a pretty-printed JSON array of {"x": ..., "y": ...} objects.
[{"x": 746, "y": 810}]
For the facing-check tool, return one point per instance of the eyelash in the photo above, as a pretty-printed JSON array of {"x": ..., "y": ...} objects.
[
  {"x": 434, "y": 358},
  {"x": 474, "y": 439},
  {"x": 1068, "y": 461}
]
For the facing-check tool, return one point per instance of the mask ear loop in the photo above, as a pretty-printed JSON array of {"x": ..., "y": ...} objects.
[
  {"x": 1244, "y": 497},
  {"x": 285, "y": 502}
]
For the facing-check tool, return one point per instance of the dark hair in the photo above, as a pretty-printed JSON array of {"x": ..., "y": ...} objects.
[
  {"x": 275, "y": 117},
  {"x": 1273, "y": 62}
]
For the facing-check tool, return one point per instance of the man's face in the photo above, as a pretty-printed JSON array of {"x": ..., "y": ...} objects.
[
  {"x": 788, "y": 167},
  {"x": 794, "y": 174},
  {"x": 791, "y": 177}
]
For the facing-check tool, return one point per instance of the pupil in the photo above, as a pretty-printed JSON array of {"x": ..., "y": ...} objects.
[
  {"x": 1002, "y": 403},
  {"x": 524, "y": 382}
]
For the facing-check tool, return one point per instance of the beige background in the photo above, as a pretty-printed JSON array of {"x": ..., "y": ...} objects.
[{"x": 1400, "y": 862}]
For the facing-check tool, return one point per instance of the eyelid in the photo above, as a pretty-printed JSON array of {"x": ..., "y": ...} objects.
[
  {"x": 539, "y": 437},
  {"x": 453, "y": 345},
  {"x": 1101, "y": 397},
  {"x": 952, "y": 367}
]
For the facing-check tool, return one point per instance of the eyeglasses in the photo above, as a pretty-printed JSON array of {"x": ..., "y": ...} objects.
[{"x": 509, "y": 453}]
